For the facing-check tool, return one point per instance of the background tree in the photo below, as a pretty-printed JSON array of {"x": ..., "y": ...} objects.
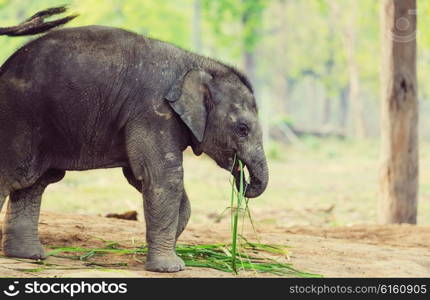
[
  {"x": 246, "y": 17},
  {"x": 399, "y": 113}
]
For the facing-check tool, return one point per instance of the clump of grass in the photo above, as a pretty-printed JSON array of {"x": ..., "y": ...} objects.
[{"x": 214, "y": 256}]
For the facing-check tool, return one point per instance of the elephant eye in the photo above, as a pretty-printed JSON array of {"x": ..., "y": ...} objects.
[{"x": 242, "y": 130}]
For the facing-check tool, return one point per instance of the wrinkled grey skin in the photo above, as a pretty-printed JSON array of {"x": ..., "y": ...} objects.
[{"x": 99, "y": 97}]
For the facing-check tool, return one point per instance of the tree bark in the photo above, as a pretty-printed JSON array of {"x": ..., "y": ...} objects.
[
  {"x": 197, "y": 31},
  {"x": 326, "y": 111},
  {"x": 349, "y": 39},
  {"x": 249, "y": 65},
  {"x": 399, "y": 113},
  {"x": 354, "y": 94},
  {"x": 329, "y": 73},
  {"x": 343, "y": 109}
]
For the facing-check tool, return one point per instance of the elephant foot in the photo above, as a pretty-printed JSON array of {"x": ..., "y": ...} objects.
[
  {"x": 22, "y": 248},
  {"x": 164, "y": 263}
]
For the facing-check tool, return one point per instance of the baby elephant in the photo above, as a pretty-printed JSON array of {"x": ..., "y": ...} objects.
[{"x": 99, "y": 97}]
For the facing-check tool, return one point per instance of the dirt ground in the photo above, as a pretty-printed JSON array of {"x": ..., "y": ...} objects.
[{"x": 357, "y": 251}]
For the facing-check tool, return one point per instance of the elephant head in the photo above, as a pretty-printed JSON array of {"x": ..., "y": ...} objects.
[{"x": 220, "y": 110}]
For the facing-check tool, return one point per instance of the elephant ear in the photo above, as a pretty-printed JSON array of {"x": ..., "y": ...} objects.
[{"x": 187, "y": 98}]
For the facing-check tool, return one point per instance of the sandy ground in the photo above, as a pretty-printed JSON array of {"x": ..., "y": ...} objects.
[{"x": 357, "y": 251}]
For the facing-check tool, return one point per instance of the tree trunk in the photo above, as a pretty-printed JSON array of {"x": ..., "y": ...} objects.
[
  {"x": 399, "y": 113},
  {"x": 249, "y": 65},
  {"x": 197, "y": 35},
  {"x": 329, "y": 64},
  {"x": 343, "y": 109},
  {"x": 349, "y": 38},
  {"x": 354, "y": 96},
  {"x": 283, "y": 39},
  {"x": 327, "y": 111}
]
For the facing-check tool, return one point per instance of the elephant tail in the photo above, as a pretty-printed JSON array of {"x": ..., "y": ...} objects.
[{"x": 36, "y": 24}]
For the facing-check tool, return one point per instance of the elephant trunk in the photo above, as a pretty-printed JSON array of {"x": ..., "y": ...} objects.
[{"x": 258, "y": 172}]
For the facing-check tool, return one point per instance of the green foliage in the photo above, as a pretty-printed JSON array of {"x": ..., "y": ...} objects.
[
  {"x": 295, "y": 44},
  {"x": 236, "y": 23},
  {"x": 165, "y": 20},
  {"x": 293, "y": 39}
]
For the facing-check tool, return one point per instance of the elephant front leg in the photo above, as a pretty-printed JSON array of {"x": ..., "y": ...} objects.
[
  {"x": 184, "y": 209},
  {"x": 162, "y": 200}
]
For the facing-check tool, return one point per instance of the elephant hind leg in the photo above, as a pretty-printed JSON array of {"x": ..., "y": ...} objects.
[{"x": 20, "y": 230}]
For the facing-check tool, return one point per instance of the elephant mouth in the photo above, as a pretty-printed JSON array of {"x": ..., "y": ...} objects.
[
  {"x": 258, "y": 175},
  {"x": 235, "y": 171},
  {"x": 255, "y": 181}
]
